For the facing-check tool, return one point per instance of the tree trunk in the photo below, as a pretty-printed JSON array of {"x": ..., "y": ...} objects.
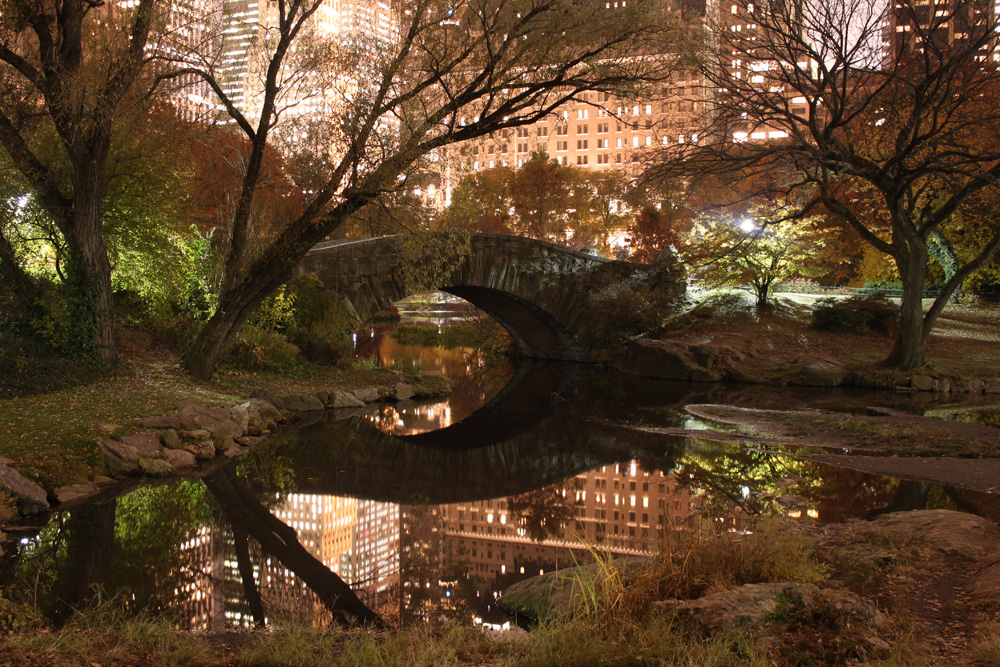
[
  {"x": 92, "y": 303},
  {"x": 90, "y": 545},
  {"x": 250, "y": 590},
  {"x": 908, "y": 349},
  {"x": 235, "y": 308},
  {"x": 281, "y": 542}
]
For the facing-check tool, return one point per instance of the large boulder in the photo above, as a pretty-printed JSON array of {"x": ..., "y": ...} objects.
[
  {"x": 179, "y": 458},
  {"x": 342, "y": 399},
  {"x": 754, "y": 605},
  {"x": 156, "y": 467},
  {"x": 302, "y": 403},
  {"x": 269, "y": 396},
  {"x": 559, "y": 593},
  {"x": 818, "y": 372},
  {"x": 147, "y": 443},
  {"x": 31, "y": 498},
  {"x": 367, "y": 395},
  {"x": 666, "y": 359},
  {"x": 121, "y": 459},
  {"x": 951, "y": 533}
]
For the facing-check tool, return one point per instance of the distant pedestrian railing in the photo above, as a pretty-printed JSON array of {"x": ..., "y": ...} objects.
[{"x": 847, "y": 291}]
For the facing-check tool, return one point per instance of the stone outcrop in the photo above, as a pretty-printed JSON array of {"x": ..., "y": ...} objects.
[
  {"x": 559, "y": 593},
  {"x": 818, "y": 372},
  {"x": 753, "y": 605},
  {"x": 672, "y": 360},
  {"x": 31, "y": 498}
]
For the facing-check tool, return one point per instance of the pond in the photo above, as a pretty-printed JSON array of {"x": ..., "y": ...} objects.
[{"x": 419, "y": 512}]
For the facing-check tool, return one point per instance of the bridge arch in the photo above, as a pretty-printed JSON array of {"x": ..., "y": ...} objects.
[{"x": 537, "y": 291}]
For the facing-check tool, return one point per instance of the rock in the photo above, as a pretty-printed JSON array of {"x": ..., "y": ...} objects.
[
  {"x": 431, "y": 374},
  {"x": 121, "y": 459},
  {"x": 264, "y": 410},
  {"x": 240, "y": 415},
  {"x": 179, "y": 458},
  {"x": 249, "y": 440},
  {"x": 403, "y": 391},
  {"x": 985, "y": 587},
  {"x": 170, "y": 439},
  {"x": 367, "y": 395},
  {"x": 817, "y": 372},
  {"x": 105, "y": 429},
  {"x": 944, "y": 386},
  {"x": 976, "y": 386},
  {"x": 704, "y": 375},
  {"x": 558, "y": 593},
  {"x": 994, "y": 387},
  {"x": 747, "y": 605},
  {"x": 169, "y": 420},
  {"x": 223, "y": 445},
  {"x": 921, "y": 382},
  {"x": 197, "y": 434},
  {"x": 203, "y": 450},
  {"x": 31, "y": 498},
  {"x": 101, "y": 479},
  {"x": 753, "y": 605},
  {"x": 342, "y": 399},
  {"x": 269, "y": 396},
  {"x": 704, "y": 355},
  {"x": 68, "y": 494},
  {"x": 147, "y": 444},
  {"x": 302, "y": 403},
  {"x": 952, "y": 533},
  {"x": 669, "y": 360},
  {"x": 156, "y": 467},
  {"x": 323, "y": 396},
  {"x": 233, "y": 451}
]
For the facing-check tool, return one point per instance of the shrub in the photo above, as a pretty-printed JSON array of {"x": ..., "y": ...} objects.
[
  {"x": 318, "y": 322},
  {"x": 858, "y": 314},
  {"x": 256, "y": 349}
]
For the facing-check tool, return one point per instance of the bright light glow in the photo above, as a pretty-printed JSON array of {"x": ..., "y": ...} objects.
[{"x": 747, "y": 225}]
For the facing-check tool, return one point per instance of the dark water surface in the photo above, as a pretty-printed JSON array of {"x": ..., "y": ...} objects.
[{"x": 430, "y": 510}]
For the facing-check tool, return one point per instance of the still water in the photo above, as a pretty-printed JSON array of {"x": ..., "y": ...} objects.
[{"x": 419, "y": 512}]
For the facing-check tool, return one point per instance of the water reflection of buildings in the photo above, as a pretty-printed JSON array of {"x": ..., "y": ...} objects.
[
  {"x": 357, "y": 539},
  {"x": 620, "y": 508}
]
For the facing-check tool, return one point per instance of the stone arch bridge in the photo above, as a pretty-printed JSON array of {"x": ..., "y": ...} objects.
[{"x": 540, "y": 292}]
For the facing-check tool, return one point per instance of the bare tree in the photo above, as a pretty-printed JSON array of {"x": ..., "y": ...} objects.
[
  {"x": 884, "y": 114},
  {"x": 67, "y": 73},
  {"x": 453, "y": 72}
]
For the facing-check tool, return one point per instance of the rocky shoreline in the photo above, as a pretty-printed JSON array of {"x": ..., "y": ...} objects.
[
  {"x": 195, "y": 434},
  {"x": 707, "y": 362}
]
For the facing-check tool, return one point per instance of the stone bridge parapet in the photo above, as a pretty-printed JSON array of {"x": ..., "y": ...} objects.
[{"x": 542, "y": 293}]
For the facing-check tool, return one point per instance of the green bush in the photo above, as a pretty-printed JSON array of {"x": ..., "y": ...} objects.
[
  {"x": 256, "y": 349},
  {"x": 319, "y": 322},
  {"x": 860, "y": 313}
]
